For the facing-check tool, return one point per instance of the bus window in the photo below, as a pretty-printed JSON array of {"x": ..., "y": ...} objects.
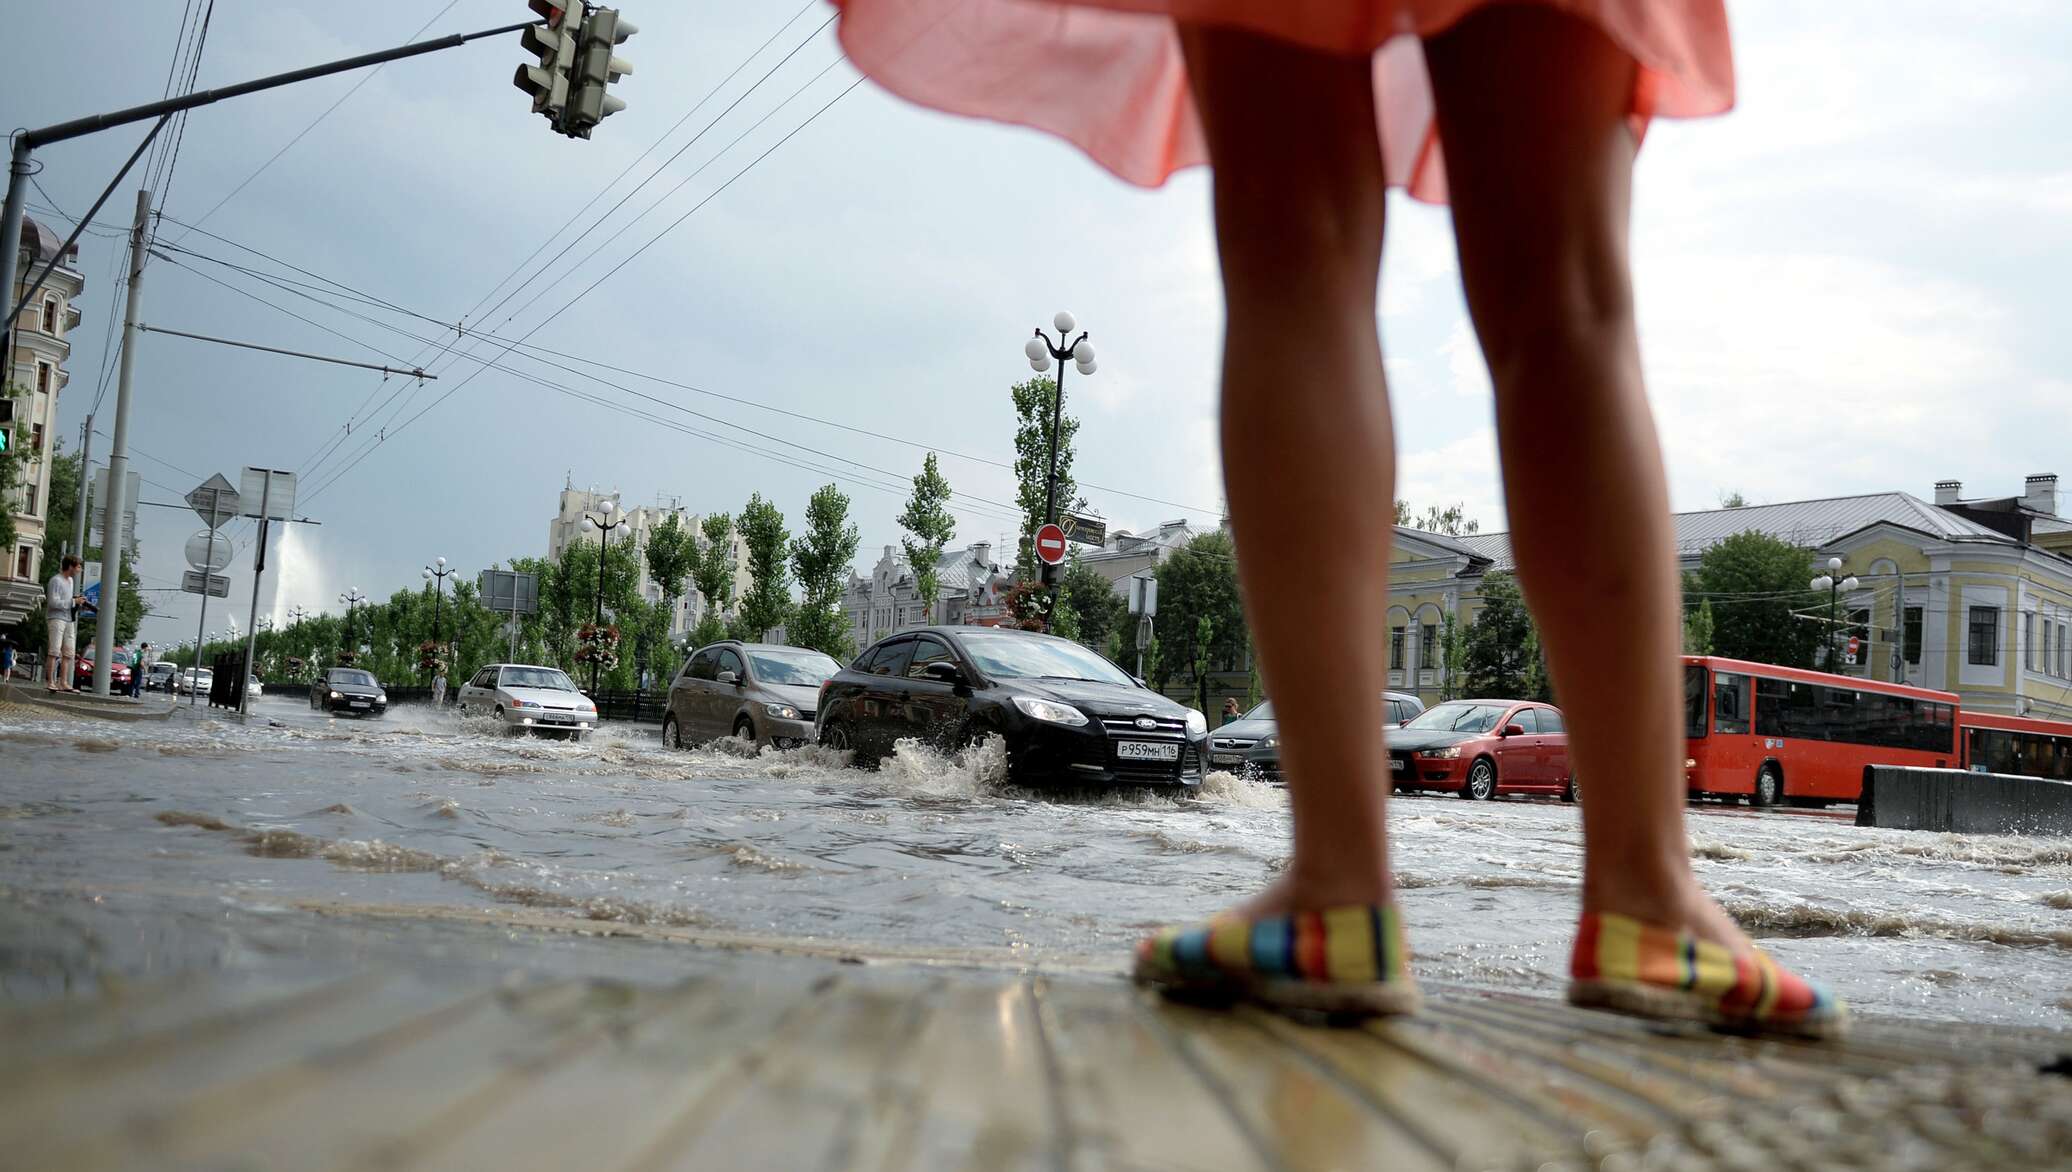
[
  {"x": 1729, "y": 703},
  {"x": 1771, "y": 696},
  {"x": 1694, "y": 700}
]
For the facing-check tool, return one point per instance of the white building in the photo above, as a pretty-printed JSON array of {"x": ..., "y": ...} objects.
[
  {"x": 1128, "y": 554},
  {"x": 637, "y": 525},
  {"x": 36, "y": 369},
  {"x": 969, "y": 586}
]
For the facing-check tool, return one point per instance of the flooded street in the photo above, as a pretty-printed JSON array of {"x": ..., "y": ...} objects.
[{"x": 203, "y": 824}]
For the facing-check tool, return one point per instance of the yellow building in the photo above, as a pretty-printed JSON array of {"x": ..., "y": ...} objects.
[
  {"x": 1972, "y": 596},
  {"x": 35, "y": 371}
]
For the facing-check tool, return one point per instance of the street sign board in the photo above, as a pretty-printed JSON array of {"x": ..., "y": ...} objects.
[
  {"x": 268, "y": 488},
  {"x": 1084, "y": 530},
  {"x": 509, "y": 592},
  {"x": 1144, "y": 595},
  {"x": 214, "y": 501},
  {"x": 214, "y": 585},
  {"x": 132, "y": 483},
  {"x": 1050, "y": 545},
  {"x": 206, "y": 551},
  {"x": 97, "y": 512},
  {"x": 1855, "y": 648}
]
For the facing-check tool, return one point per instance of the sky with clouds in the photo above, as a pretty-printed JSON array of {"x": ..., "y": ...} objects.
[{"x": 1855, "y": 282}]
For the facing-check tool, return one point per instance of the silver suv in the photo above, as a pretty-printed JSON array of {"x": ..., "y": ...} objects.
[{"x": 758, "y": 692}]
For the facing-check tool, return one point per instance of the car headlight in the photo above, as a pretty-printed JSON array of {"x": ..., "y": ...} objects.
[
  {"x": 1690, "y": 762},
  {"x": 517, "y": 703},
  {"x": 336, "y": 696},
  {"x": 782, "y": 711},
  {"x": 1049, "y": 710},
  {"x": 1448, "y": 753},
  {"x": 381, "y": 697},
  {"x": 1269, "y": 741},
  {"x": 1197, "y": 724}
]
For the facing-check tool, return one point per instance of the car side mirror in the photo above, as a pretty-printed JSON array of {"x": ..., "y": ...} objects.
[
  {"x": 728, "y": 677},
  {"x": 1513, "y": 730},
  {"x": 943, "y": 672},
  {"x": 1141, "y": 683}
]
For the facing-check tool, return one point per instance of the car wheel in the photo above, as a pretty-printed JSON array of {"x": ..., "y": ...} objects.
[
  {"x": 672, "y": 733},
  {"x": 744, "y": 729},
  {"x": 1481, "y": 784},
  {"x": 1569, "y": 792},
  {"x": 1769, "y": 786},
  {"x": 837, "y": 735}
]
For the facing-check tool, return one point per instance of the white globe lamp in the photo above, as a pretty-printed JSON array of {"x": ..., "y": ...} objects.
[
  {"x": 1064, "y": 321},
  {"x": 1035, "y": 349}
]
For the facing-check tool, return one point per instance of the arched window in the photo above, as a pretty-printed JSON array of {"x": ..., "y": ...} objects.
[{"x": 50, "y": 315}]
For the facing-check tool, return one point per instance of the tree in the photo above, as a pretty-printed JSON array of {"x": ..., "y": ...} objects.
[
  {"x": 1756, "y": 583},
  {"x": 62, "y": 501},
  {"x": 1698, "y": 628},
  {"x": 1733, "y": 500},
  {"x": 1033, "y": 402},
  {"x": 1198, "y": 581},
  {"x": 1453, "y": 521},
  {"x": 930, "y": 527},
  {"x": 768, "y": 602},
  {"x": 672, "y": 550},
  {"x": 1502, "y": 643},
  {"x": 1090, "y": 604},
  {"x": 713, "y": 575},
  {"x": 821, "y": 558},
  {"x": 1453, "y": 656}
]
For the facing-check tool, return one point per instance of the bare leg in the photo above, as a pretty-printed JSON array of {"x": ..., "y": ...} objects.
[
  {"x": 1539, "y": 160},
  {"x": 1308, "y": 451}
]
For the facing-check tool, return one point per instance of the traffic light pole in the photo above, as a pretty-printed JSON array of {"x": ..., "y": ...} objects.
[{"x": 26, "y": 142}]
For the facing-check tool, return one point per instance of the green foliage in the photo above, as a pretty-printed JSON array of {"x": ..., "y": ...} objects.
[
  {"x": 1453, "y": 521},
  {"x": 1758, "y": 582},
  {"x": 930, "y": 528},
  {"x": 821, "y": 558},
  {"x": 1033, "y": 402},
  {"x": 710, "y": 629},
  {"x": 1199, "y": 581},
  {"x": 1698, "y": 629},
  {"x": 712, "y": 572},
  {"x": 672, "y": 549},
  {"x": 1501, "y": 658},
  {"x": 1453, "y": 656},
  {"x": 1090, "y": 605},
  {"x": 768, "y": 603}
]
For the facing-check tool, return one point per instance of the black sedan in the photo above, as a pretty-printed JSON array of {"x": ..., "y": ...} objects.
[
  {"x": 348, "y": 690},
  {"x": 1066, "y": 714}
]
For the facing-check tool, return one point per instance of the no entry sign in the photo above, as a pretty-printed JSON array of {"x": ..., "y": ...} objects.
[{"x": 1050, "y": 545}]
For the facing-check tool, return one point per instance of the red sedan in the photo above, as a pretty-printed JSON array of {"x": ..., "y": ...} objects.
[
  {"x": 118, "y": 675},
  {"x": 1483, "y": 748}
]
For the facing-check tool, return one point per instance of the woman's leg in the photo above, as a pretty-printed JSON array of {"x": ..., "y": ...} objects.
[
  {"x": 1308, "y": 452},
  {"x": 1539, "y": 159}
]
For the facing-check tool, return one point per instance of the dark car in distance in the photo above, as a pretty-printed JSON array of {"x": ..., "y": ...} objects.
[
  {"x": 1066, "y": 714},
  {"x": 1481, "y": 749},
  {"x": 1260, "y": 753},
  {"x": 352, "y": 691}
]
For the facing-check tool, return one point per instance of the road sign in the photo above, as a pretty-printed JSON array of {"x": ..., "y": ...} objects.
[
  {"x": 509, "y": 592},
  {"x": 278, "y": 498},
  {"x": 1050, "y": 545},
  {"x": 132, "y": 484},
  {"x": 1144, "y": 595},
  {"x": 1855, "y": 648},
  {"x": 214, "y": 500},
  {"x": 213, "y": 585},
  {"x": 1084, "y": 530},
  {"x": 206, "y": 551}
]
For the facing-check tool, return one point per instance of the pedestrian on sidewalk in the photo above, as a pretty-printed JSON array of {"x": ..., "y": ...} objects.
[
  {"x": 1526, "y": 117},
  {"x": 1230, "y": 711},
  {"x": 138, "y": 663},
  {"x": 61, "y": 625},
  {"x": 439, "y": 688}
]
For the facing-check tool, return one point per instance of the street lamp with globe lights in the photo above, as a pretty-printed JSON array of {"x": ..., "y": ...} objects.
[
  {"x": 437, "y": 577},
  {"x": 1041, "y": 352},
  {"x": 1834, "y": 586},
  {"x": 603, "y": 526},
  {"x": 350, "y": 599}
]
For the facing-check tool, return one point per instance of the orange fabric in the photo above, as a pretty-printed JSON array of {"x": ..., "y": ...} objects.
[{"x": 1107, "y": 75}]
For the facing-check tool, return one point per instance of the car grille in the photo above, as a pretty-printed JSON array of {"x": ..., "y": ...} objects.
[
  {"x": 1233, "y": 744},
  {"x": 1189, "y": 765},
  {"x": 1127, "y": 726}
]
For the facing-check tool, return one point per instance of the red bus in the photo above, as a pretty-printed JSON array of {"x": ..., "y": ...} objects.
[
  {"x": 1778, "y": 734},
  {"x": 2018, "y": 745}
]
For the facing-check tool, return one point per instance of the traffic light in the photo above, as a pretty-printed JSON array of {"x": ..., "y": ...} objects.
[
  {"x": 6, "y": 425},
  {"x": 1052, "y": 573},
  {"x": 595, "y": 70},
  {"x": 554, "y": 43}
]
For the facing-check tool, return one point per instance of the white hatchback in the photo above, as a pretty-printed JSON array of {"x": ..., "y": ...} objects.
[{"x": 523, "y": 696}]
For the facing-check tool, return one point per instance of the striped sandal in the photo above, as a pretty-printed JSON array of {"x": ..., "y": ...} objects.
[
  {"x": 1626, "y": 966},
  {"x": 1343, "y": 960}
]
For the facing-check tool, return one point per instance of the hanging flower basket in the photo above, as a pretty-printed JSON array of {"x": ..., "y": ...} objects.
[
  {"x": 428, "y": 658},
  {"x": 598, "y": 645}
]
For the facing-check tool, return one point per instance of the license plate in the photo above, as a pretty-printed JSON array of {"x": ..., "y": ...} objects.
[
  {"x": 362, "y": 703},
  {"x": 1226, "y": 759},
  {"x": 1147, "y": 751},
  {"x": 1396, "y": 765}
]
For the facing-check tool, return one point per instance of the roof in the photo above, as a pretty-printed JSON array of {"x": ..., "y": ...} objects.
[
  {"x": 1812, "y": 523},
  {"x": 41, "y": 244}
]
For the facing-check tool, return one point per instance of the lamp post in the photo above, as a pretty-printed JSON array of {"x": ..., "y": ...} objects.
[
  {"x": 296, "y": 614},
  {"x": 437, "y": 577},
  {"x": 351, "y": 598},
  {"x": 1834, "y": 587},
  {"x": 1040, "y": 351},
  {"x": 603, "y": 526}
]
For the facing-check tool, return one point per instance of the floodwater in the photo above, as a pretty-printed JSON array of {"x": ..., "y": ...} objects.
[{"x": 205, "y": 819}]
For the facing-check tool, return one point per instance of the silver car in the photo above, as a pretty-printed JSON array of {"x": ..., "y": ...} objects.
[
  {"x": 528, "y": 697},
  {"x": 759, "y": 692}
]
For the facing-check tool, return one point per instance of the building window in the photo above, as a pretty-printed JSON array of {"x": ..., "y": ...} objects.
[
  {"x": 1985, "y": 636},
  {"x": 21, "y": 561},
  {"x": 1397, "y": 644},
  {"x": 2038, "y": 656},
  {"x": 43, "y": 378},
  {"x": 2064, "y": 649},
  {"x": 2029, "y": 641},
  {"x": 1911, "y": 634},
  {"x": 1428, "y": 646},
  {"x": 50, "y": 315},
  {"x": 36, "y": 439}
]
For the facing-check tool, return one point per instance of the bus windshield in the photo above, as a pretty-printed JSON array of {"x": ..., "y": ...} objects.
[{"x": 1694, "y": 701}]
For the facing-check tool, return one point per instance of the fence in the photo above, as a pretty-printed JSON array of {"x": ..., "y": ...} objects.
[{"x": 641, "y": 707}]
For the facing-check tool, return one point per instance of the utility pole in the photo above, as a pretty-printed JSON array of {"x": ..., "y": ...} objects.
[
  {"x": 114, "y": 542},
  {"x": 86, "y": 461}
]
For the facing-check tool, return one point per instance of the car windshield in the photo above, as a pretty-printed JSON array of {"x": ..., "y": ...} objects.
[
  {"x": 1024, "y": 657},
  {"x": 1263, "y": 712},
  {"x": 358, "y": 679},
  {"x": 537, "y": 677},
  {"x": 805, "y": 669},
  {"x": 1467, "y": 718}
]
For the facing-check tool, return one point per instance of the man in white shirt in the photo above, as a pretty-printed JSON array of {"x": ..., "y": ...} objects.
[{"x": 61, "y": 610}]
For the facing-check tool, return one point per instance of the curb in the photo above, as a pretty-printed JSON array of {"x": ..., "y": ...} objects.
[{"x": 121, "y": 711}]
